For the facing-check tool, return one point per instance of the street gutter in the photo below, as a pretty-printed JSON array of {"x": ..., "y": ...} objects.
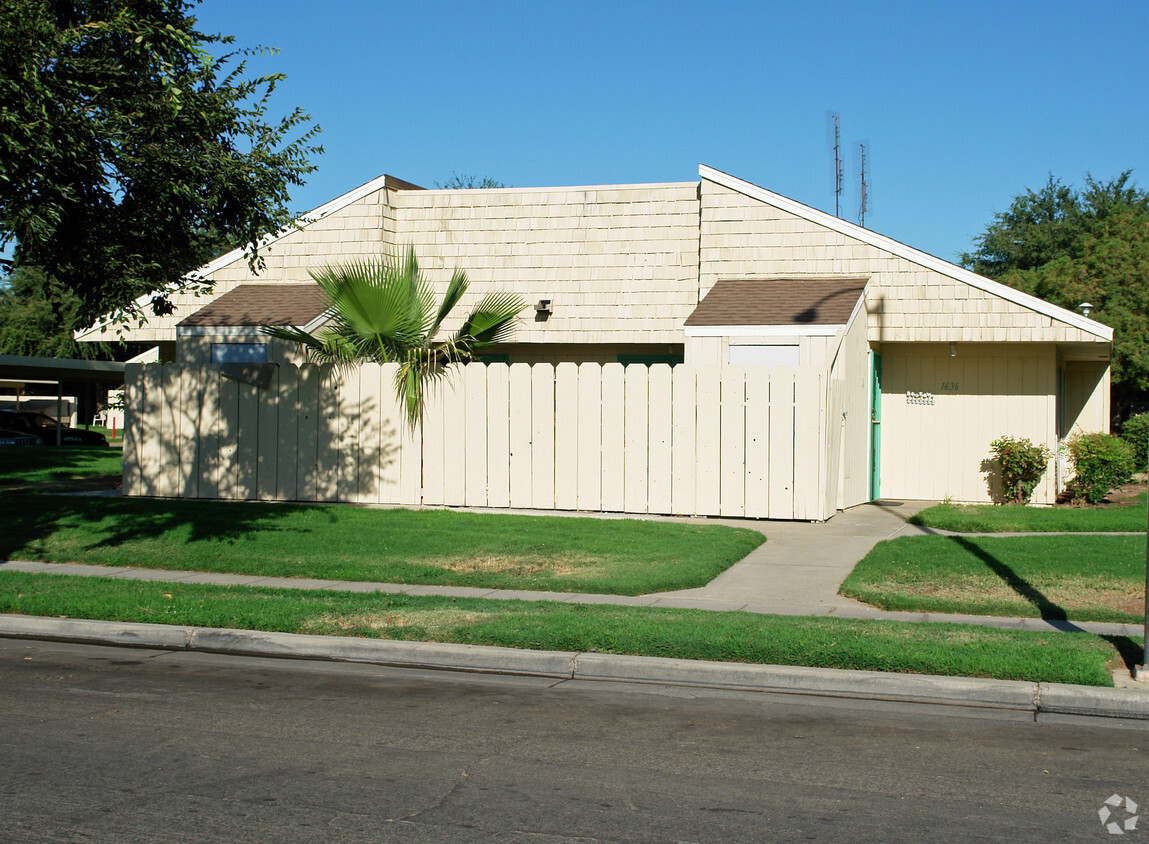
[{"x": 1038, "y": 698}]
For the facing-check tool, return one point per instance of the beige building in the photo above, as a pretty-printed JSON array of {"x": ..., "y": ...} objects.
[{"x": 922, "y": 363}]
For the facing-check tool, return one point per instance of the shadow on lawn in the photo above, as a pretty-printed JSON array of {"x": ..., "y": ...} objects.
[
  {"x": 1130, "y": 653},
  {"x": 26, "y": 520}
]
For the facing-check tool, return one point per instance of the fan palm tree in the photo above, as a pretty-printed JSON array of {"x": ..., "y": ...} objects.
[{"x": 383, "y": 310}]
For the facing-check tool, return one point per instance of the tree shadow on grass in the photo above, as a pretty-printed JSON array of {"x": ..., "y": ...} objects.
[
  {"x": 1049, "y": 611},
  {"x": 27, "y": 520}
]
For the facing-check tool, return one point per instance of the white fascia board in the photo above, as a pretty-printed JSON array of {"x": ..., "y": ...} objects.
[
  {"x": 236, "y": 254},
  {"x": 916, "y": 256},
  {"x": 552, "y": 189},
  {"x": 762, "y": 330}
]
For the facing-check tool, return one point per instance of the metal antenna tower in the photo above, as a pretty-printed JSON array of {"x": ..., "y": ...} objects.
[{"x": 864, "y": 189}]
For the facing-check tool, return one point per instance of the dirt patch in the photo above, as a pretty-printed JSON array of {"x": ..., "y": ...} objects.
[
  {"x": 1127, "y": 495},
  {"x": 432, "y": 621},
  {"x": 1068, "y": 594},
  {"x": 558, "y": 566}
]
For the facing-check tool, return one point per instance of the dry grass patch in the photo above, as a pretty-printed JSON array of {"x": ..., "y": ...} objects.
[
  {"x": 560, "y": 565},
  {"x": 431, "y": 622}
]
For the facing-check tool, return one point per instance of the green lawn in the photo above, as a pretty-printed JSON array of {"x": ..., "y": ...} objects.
[
  {"x": 995, "y": 519},
  {"x": 948, "y": 649},
  {"x": 55, "y": 464},
  {"x": 614, "y": 556},
  {"x": 1094, "y": 578}
]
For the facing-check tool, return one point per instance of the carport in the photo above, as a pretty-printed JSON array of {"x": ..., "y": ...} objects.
[{"x": 81, "y": 376}]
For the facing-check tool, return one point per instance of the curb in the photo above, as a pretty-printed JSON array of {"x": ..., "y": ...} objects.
[{"x": 1017, "y": 695}]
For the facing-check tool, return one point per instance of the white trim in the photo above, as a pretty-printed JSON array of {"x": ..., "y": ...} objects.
[
  {"x": 907, "y": 252},
  {"x": 561, "y": 188},
  {"x": 762, "y": 330},
  {"x": 234, "y": 255}
]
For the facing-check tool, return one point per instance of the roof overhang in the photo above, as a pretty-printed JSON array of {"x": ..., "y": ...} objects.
[{"x": 28, "y": 369}]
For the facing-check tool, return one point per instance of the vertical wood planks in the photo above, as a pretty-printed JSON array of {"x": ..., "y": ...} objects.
[
  {"x": 520, "y": 419},
  {"x": 228, "y": 438},
  {"x": 288, "y": 455},
  {"x": 207, "y": 432},
  {"x": 732, "y": 424},
  {"x": 613, "y": 436},
  {"x": 637, "y": 430},
  {"x": 542, "y": 437},
  {"x": 807, "y": 454},
  {"x": 566, "y": 419},
  {"x": 757, "y": 442},
  {"x": 370, "y": 436},
  {"x": 434, "y": 451},
  {"x": 684, "y": 410},
  {"x": 474, "y": 378},
  {"x": 708, "y": 442},
  {"x": 134, "y": 416},
  {"x": 498, "y": 464},
  {"x": 781, "y": 443},
  {"x": 660, "y": 397},
  {"x": 267, "y": 466},
  {"x": 589, "y": 454},
  {"x": 455, "y": 423},
  {"x": 308, "y": 482}
]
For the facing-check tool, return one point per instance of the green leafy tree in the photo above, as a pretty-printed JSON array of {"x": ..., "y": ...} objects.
[
  {"x": 466, "y": 182},
  {"x": 38, "y": 317},
  {"x": 123, "y": 140},
  {"x": 384, "y": 310},
  {"x": 1070, "y": 247}
]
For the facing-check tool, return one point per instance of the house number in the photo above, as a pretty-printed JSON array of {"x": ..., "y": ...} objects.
[{"x": 949, "y": 387}]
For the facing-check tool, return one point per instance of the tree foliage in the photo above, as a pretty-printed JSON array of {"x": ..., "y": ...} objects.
[
  {"x": 467, "y": 182},
  {"x": 38, "y": 316},
  {"x": 384, "y": 310},
  {"x": 125, "y": 145},
  {"x": 1070, "y": 247}
]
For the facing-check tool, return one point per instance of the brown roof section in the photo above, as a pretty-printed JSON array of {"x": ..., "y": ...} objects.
[
  {"x": 779, "y": 302},
  {"x": 262, "y": 304}
]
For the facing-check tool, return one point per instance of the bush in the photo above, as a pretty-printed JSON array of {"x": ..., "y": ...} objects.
[
  {"x": 1135, "y": 431},
  {"x": 1100, "y": 462},
  {"x": 1022, "y": 465}
]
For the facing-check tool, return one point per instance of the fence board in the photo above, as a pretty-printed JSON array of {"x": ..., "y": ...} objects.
[
  {"x": 637, "y": 430},
  {"x": 589, "y": 436},
  {"x": 781, "y": 443},
  {"x": 347, "y": 427},
  {"x": 311, "y": 412},
  {"x": 474, "y": 377},
  {"x": 267, "y": 467},
  {"x": 684, "y": 407},
  {"x": 757, "y": 442},
  {"x": 708, "y": 442},
  {"x": 542, "y": 437},
  {"x": 247, "y": 452},
  {"x": 733, "y": 449},
  {"x": 613, "y": 436},
  {"x": 455, "y": 423},
  {"x": 661, "y": 430},
  {"x": 207, "y": 433},
  {"x": 370, "y": 439},
  {"x": 190, "y": 401},
  {"x": 498, "y": 435},
  {"x": 134, "y": 416},
  {"x": 288, "y": 455},
  {"x": 327, "y": 436},
  {"x": 167, "y": 484},
  {"x": 434, "y": 432},
  {"x": 228, "y": 438},
  {"x": 520, "y": 421},
  {"x": 566, "y": 436}
]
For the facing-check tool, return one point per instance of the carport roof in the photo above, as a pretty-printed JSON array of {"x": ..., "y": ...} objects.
[{"x": 21, "y": 368}]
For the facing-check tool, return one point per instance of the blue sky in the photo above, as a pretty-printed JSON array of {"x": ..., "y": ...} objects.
[{"x": 963, "y": 105}]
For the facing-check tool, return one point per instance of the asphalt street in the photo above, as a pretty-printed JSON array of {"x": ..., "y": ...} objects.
[{"x": 110, "y": 744}]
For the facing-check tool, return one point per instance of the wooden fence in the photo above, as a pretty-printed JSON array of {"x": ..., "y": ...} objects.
[{"x": 694, "y": 441}]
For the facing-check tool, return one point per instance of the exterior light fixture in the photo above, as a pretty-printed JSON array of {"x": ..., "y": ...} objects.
[
  {"x": 1085, "y": 308},
  {"x": 542, "y": 310},
  {"x": 953, "y": 350}
]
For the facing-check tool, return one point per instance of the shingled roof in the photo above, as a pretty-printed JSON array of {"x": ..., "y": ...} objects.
[
  {"x": 779, "y": 302},
  {"x": 261, "y": 304}
]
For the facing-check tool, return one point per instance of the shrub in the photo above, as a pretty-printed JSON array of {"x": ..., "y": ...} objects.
[
  {"x": 1100, "y": 462},
  {"x": 1022, "y": 465},
  {"x": 1135, "y": 431}
]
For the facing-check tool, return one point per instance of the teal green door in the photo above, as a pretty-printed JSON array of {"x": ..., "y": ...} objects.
[{"x": 875, "y": 426}]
